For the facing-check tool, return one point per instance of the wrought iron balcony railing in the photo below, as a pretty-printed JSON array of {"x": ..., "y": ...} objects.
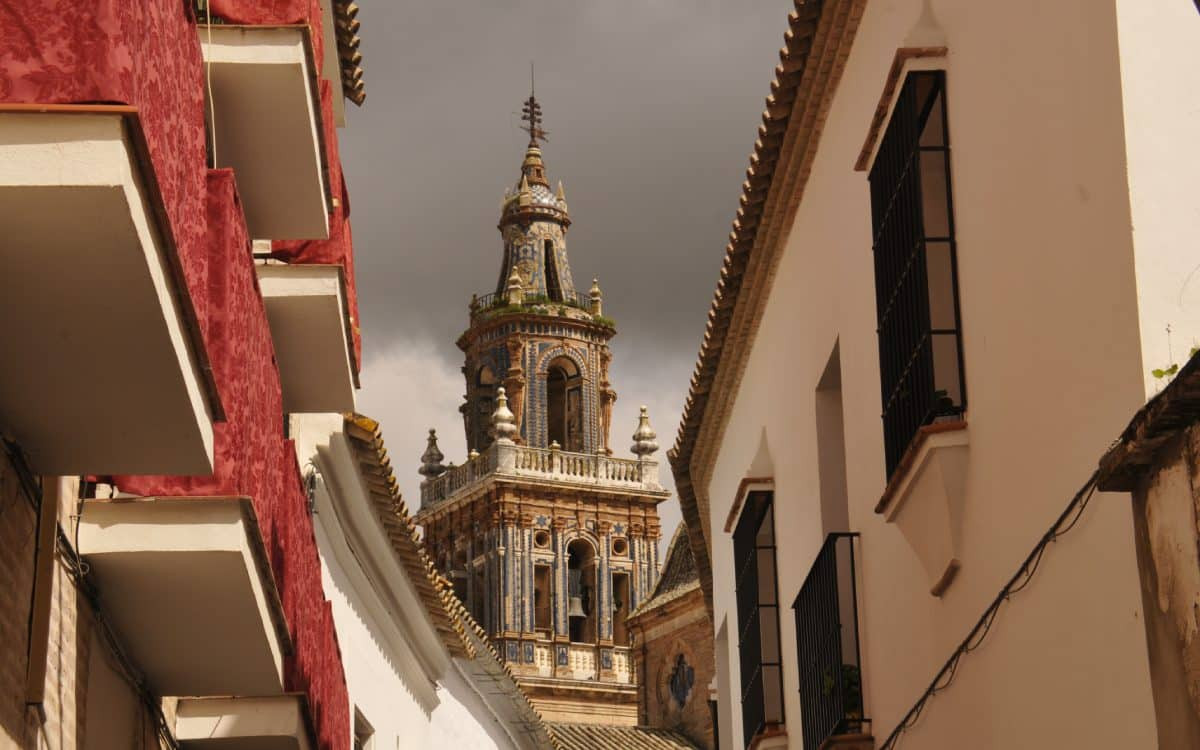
[
  {"x": 492, "y": 302},
  {"x": 831, "y": 695}
]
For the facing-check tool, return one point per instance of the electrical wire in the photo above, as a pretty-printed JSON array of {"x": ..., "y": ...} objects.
[{"x": 1065, "y": 522}]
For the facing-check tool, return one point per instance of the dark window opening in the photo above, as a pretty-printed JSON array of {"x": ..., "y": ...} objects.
[
  {"x": 581, "y": 592},
  {"x": 541, "y": 600},
  {"x": 758, "y": 616},
  {"x": 916, "y": 271},
  {"x": 553, "y": 290},
  {"x": 564, "y": 410},
  {"x": 485, "y": 406},
  {"x": 827, "y": 652},
  {"x": 620, "y": 608}
]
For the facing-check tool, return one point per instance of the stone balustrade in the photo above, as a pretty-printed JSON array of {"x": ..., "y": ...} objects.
[{"x": 511, "y": 460}]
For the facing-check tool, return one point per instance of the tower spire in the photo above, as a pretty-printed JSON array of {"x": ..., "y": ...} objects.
[{"x": 531, "y": 113}]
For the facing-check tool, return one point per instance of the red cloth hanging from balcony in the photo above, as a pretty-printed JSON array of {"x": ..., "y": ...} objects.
[
  {"x": 252, "y": 458},
  {"x": 275, "y": 13},
  {"x": 145, "y": 54},
  {"x": 339, "y": 248}
]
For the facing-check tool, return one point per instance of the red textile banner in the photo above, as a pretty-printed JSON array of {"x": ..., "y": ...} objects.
[
  {"x": 252, "y": 457},
  {"x": 276, "y": 13},
  {"x": 339, "y": 248},
  {"x": 145, "y": 54}
]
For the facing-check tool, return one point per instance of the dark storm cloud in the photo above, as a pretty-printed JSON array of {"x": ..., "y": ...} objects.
[
  {"x": 652, "y": 109},
  {"x": 651, "y": 106}
]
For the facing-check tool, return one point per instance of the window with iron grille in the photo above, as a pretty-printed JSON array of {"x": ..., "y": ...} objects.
[
  {"x": 916, "y": 272},
  {"x": 758, "y": 615}
]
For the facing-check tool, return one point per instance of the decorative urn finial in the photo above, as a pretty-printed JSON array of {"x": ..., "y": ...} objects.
[
  {"x": 431, "y": 459},
  {"x": 504, "y": 424},
  {"x": 597, "y": 299},
  {"x": 645, "y": 439},
  {"x": 514, "y": 293}
]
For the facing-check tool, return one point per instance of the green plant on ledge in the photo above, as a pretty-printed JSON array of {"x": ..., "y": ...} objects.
[
  {"x": 604, "y": 321},
  {"x": 1169, "y": 371}
]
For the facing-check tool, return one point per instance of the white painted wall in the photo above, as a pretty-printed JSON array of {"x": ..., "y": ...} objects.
[
  {"x": 1054, "y": 368},
  {"x": 1160, "y": 79},
  {"x": 388, "y": 680}
]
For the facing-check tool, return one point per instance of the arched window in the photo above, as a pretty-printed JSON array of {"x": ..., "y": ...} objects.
[
  {"x": 485, "y": 404},
  {"x": 581, "y": 591},
  {"x": 553, "y": 290},
  {"x": 564, "y": 405}
]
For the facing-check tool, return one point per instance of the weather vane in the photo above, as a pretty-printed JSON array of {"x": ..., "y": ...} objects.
[{"x": 532, "y": 114}]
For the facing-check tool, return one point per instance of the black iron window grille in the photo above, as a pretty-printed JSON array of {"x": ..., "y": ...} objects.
[
  {"x": 827, "y": 653},
  {"x": 916, "y": 271},
  {"x": 758, "y": 616}
]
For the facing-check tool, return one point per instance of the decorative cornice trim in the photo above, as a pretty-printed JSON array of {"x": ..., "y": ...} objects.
[
  {"x": 818, "y": 41},
  {"x": 745, "y": 487},
  {"x": 890, "y": 85}
]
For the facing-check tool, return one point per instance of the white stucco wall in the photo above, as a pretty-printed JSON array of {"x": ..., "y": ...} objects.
[
  {"x": 1160, "y": 79},
  {"x": 386, "y": 687},
  {"x": 406, "y": 705},
  {"x": 1052, "y": 350}
]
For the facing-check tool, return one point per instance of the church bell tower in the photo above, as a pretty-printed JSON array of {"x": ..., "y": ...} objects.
[{"x": 548, "y": 538}]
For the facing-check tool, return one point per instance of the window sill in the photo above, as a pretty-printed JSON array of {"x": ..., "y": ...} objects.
[
  {"x": 924, "y": 499},
  {"x": 849, "y": 742},
  {"x": 772, "y": 737}
]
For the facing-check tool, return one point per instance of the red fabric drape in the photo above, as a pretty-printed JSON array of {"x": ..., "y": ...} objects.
[
  {"x": 144, "y": 53},
  {"x": 147, "y": 54},
  {"x": 275, "y": 13},
  {"x": 339, "y": 248},
  {"x": 253, "y": 458}
]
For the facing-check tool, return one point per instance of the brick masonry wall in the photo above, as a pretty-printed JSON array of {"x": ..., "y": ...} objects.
[
  {"x": 681, "y": 627},
  {"x": 71, "y": 643},
  {"x": 18, "y": 520}
]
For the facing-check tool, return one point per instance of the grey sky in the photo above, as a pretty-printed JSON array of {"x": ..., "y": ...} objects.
[{"x": 651, "y": 107}]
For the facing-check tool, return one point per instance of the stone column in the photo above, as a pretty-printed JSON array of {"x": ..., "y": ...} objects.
[
  {"x": 604, "y": 599},
  {"x": 561, "y": 631}
]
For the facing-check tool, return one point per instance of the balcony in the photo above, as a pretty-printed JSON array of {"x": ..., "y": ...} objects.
[
  {"x": 520, "y": 461},
  {"x": 278, "y": 722},
  {"x": 310, "y": 326},
  {"x": 193, "y": 571},
  {"x": 827, "y": 652},
  {"x": 263, "y": 105},
  {"x": 103, "y": 370}
]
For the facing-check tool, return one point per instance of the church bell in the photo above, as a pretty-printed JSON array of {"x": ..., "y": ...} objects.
[{"x": 575, "y": 607}]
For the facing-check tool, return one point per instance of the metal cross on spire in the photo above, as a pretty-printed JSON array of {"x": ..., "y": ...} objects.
[{"x": 532, "y": 114}]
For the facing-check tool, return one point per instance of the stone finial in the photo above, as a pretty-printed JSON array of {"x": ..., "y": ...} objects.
[
  {"x": 597, "y": 299},
  {"x": 514, "y": 293},
  {"x": 431, "y": 459},
  {"x": 525, "y": 194},
  {"x": 645, "y": 439},
  {"x": 560, "y": 193},
  {"x": 504, "y": 424}
]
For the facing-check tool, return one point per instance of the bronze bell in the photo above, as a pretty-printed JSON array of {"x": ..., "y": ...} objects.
[{"x": 575, "y": 607}]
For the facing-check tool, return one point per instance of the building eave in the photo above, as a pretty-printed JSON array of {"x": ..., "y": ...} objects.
[
  {"x": 1156, "y": 425},
  {"x": 817, "y": 43}
]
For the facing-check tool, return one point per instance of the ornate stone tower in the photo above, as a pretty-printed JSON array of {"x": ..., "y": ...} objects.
[{"x": 548, "y": 538}]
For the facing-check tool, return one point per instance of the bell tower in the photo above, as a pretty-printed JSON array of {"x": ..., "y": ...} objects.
[{"x": 548, "y": 538}]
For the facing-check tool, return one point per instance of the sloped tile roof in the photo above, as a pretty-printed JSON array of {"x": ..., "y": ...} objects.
[
  {"x": 366, "y": 441},
  {"x": 601, "y": 737},
  {"x": 679, "y": 574}
]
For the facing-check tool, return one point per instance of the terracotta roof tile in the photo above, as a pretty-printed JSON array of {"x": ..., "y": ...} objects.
[{"x": 601, "y": 737}]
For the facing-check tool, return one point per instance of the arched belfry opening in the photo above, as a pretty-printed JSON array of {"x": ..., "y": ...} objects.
[
  {"x": 581, "y": 591},
  {"x": 485, "y": 404},
  {"x": 553, "y": 287},
  {"x": 564, "y": 404}
]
